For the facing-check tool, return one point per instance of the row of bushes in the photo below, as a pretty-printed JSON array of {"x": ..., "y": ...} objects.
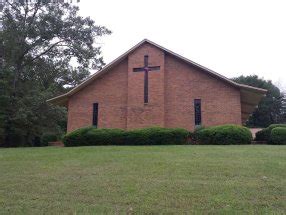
[
  {"x": 91, "y": 136},
  {"x": 273, "y": 134},
  {"x": 217, "y": 135}
]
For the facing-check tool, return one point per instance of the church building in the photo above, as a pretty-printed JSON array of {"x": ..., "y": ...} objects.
[{"x": 150, "y": 85}]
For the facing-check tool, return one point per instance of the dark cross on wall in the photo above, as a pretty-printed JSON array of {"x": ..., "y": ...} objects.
[{"x": 146, "y": 69}]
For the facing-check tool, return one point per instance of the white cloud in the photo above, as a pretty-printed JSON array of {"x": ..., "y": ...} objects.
[{"x": 230, "y": 37}]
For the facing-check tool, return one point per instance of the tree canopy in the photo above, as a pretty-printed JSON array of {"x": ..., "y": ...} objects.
[
  {"x": 272, "y": 108},
  {"x": 46, "y": 50}
]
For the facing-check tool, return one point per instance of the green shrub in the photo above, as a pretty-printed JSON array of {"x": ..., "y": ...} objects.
[
  {"x": 156, "y": 136},
  {"x": 46, "y": 138},
  {"x": 223, "y": 135},
  {"x": 278, "y": 136},
  {"x": 77, "y": 137},
  {"x": 104, "y": 136},
  {"x": 92, "y": 136},
  {"x": 202, "y": 136},
  {"x": 276, "y": 125},
  {"x": 264, "y": 134}
]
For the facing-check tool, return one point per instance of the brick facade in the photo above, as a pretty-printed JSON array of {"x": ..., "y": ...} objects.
[
  {"x": 172, "y": 90},
  {"x": 110, "y": 92}
]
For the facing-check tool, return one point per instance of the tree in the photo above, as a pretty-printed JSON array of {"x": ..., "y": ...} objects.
[
  {"x": 47, "y": 49},
  {"x": 272, "y": 108}
]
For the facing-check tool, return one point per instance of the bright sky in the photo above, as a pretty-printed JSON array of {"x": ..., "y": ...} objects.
[{"x": 231, "y": 37}]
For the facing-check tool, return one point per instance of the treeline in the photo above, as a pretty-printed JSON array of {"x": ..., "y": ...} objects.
[
  {"x": 272, "y": 108},
  {"x": 38, "y": 43}
]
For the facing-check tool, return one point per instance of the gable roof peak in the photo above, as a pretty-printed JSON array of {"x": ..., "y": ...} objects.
[{"x": 115, "y": 62}]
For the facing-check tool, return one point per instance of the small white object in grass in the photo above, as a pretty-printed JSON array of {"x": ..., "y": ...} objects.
[{"x": 264, "y": 177}]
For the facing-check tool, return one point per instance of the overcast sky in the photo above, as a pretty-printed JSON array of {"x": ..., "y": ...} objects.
[{"x": 231, "y": 37}]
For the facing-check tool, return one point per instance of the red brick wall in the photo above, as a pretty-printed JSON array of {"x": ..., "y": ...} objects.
[
  {"x": 139, "y": 114},
  {"x": 110, "y": 92},
  {"x": 184, "y": 83},
  {"x": 172, "y": 90}
]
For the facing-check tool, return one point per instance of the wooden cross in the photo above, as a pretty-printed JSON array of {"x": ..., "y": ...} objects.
[{"x": 146, "y": 69}]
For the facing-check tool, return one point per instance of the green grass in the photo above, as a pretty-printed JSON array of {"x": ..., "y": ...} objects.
[{"x": 144, "y": 179}]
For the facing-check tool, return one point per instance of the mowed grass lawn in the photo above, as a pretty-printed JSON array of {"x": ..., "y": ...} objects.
[{"x": 143, "y": 179}]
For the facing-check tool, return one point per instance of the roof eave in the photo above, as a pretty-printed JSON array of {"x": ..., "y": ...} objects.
[
  {"x": 61, "y": 100},
  {"x": 253, "y": 89}
]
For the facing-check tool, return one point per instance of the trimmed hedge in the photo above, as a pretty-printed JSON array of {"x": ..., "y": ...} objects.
[
  {"x": 91, "y": 136},
  {"x": 76, "y": 138},
  {"x": 264, "y": 134},
  {"x": 223, "y": 135},
  {"x": 217, "y": 135},
  {"x": 157, "y": 136},
  {"x": 278, "y": 136}
]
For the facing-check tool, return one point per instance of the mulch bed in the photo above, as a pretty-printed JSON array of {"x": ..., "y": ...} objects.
[
  {"x": 58, "y": 144},
  {"x": 258, "y": 142}
]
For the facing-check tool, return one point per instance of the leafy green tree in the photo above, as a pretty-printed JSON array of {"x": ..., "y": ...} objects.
[
  {"x": 272, "y": 108},
  {"x": 47, "y": 48}
]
